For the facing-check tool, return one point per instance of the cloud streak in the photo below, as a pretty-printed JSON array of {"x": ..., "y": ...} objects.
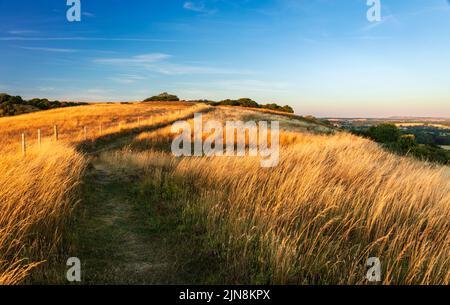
[
  {"x": 21, "y": 32},
  {"x": 57, "y": 50},
  {"x": 138, "y": 59},
  {"x": 198, "y": 7},
  {"x": 87, "y": 14},
  {"x": 158, "y": 62},
  {"x": 126, "y": 79},
  {"x": 19, "y": 38},
  {"x": 180, "y": 69}
]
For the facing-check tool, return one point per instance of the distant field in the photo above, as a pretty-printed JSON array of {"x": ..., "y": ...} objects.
[
  {"x": 443, "y": 126},
  {"x": 411, "y": 122},
  {"x": 447, "y": 147}
]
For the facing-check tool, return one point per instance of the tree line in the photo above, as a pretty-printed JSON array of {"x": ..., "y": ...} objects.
[
  {"x": 391, "y": 137},
  {"x": 242, "y": 102},
  {"x": 13, "y": 105}
]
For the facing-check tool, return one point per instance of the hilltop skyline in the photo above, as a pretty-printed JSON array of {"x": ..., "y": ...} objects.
[{"x": 321, "y": 57}]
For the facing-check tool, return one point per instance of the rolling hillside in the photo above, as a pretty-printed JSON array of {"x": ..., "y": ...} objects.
[{"x": 109, "y": 191}]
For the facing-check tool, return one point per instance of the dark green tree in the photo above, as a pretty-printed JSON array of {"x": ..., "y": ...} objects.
[
  {"x": 163, "y": 97},
  {"x": 384, "y": 133}
]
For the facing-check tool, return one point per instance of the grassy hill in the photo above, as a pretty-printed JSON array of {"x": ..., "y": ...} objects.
[{"x": 145, "y": 216}]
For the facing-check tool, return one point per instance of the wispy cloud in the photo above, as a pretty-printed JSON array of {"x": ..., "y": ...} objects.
[
  {"x": 158, "y": 62},
  {"x": 19, "y": 38},
  {"x": 198, "y": 7},
  {"x": 181, "y": 69},
  {"x": 87, "y": 14},
  {"x": 58, "y": 50},
  {"x": 22, "y": 32},
  {"x": 126, "y": 78},
  {"x": 138, "y": 59}
]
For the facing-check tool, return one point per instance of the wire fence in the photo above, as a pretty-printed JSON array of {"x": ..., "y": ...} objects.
[{"x": 91, "y": 132}]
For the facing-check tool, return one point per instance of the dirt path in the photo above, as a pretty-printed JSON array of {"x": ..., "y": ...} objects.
[
  {"x": 117, "y": 244},
  {"x": 123, "y": 238}
]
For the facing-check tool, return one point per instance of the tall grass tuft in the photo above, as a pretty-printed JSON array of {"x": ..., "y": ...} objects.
[{"x": 37, "y": 195}]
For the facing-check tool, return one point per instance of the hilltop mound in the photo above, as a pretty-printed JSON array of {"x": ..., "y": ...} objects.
[{"x": 163, "y": 97}]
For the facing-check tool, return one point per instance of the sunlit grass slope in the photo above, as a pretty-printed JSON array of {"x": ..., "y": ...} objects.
[
  {"x": 331, "y": 203},
  {"x": 38, "y": 191}
]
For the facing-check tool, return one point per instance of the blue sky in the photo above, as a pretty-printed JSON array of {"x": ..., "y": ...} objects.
[{"x": 323, "y": 57}]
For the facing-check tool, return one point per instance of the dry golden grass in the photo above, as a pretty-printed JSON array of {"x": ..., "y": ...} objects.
[
  {"x": 293, "y": 130},
  {"x": 37, "y": 192},
  {"x": 71, "y": 121},
  {"x": 36, "y": 196},
  {"x": 320, "y": 214},
  {"x": 331, "y": 203}
]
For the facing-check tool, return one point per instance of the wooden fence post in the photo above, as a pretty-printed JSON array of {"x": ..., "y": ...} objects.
[
  {"x": 85, "y": 133},
  {"x": 39, "y": 139},
  {"x": 55, "y": 133},
  {"x": 101, "y": 129},
  {"x": 24, "y": 145}
]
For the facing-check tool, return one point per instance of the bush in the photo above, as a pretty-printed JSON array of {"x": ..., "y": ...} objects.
[
  {"x": 389, "y": 135},
  {"x": 384, "y": 133},
  {"x": 10, "y": 105},
  {"x": 247, "y": 102},
  {"x": 276, "y": 107},
  {"x": 163, "y": 97},
  {"x": 431, "y": 153},
  {"x": 407, "y": 142},
  {"x": 287, "y": 109},
  {"x": 229, "y": 102}
]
